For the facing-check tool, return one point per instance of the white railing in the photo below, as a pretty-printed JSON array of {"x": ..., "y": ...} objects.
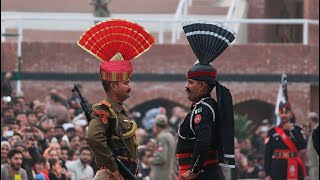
[
  {"x": 154, "y": 24},
  {"x": 182, "y": 8},
  {"x": 157, "y": 25}
]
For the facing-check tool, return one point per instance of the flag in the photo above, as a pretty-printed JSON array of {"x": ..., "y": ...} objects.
[{"x": 281, "y": 94}]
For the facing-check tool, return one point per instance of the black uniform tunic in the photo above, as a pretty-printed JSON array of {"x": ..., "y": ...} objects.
[
  {"x": 277, "y": 167},
  {"x": 198, "y": 136}
]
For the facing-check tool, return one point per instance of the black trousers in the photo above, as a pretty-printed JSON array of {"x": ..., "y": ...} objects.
[{"x": 211, "y": 172}]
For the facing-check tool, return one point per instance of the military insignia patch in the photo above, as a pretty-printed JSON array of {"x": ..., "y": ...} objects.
[
  {"x": 103, "y": 115},
  {"x": 199, "y": 110},
  {"x": 160, "y": 149},
  {"x": 197, "y": 119}
]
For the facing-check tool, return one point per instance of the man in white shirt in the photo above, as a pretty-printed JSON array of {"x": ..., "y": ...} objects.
[{"x": 80, "y": 169}]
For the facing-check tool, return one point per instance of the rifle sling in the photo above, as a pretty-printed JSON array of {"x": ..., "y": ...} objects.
[{"x": 119, "y": 132}]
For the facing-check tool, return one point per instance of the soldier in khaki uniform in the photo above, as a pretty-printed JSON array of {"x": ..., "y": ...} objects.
[
  {"x": 163, "y": 161},
  {"x": 111, "y": 134}
]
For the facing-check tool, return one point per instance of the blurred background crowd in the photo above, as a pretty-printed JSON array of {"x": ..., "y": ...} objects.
[{"x": 51, "y": 137}]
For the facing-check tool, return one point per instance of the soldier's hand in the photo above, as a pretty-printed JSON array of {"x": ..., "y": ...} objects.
[
  {"x": 287, "y": 126},
  {"x": 189, "y": 175},
  {"x": 268, "y": 178},
  {"x": 115, "y": 175}
]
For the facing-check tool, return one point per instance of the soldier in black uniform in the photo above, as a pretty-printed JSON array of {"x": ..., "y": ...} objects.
[
  {"x": 201, "y": 146},
  {"x": 283, "y": 144}
]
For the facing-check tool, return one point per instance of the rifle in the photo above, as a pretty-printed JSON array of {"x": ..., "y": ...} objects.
[
  {"x": 125, "y": 172},
  {"x": 83, "y": 103}
]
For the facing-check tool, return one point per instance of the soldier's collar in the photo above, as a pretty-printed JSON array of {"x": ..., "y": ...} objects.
[
  {"x": 201, "y": 98},
  {"x": 115, "y": 105}
]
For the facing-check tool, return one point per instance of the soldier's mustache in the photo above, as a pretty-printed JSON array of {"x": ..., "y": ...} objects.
[{"x": 187, "y": 90}]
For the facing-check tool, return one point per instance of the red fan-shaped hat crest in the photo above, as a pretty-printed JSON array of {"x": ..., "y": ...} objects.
[{"x": 114, "y": 41}]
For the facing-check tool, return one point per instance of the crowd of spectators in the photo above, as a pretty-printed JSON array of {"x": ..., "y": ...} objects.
[{"x": 51, "y": 138}]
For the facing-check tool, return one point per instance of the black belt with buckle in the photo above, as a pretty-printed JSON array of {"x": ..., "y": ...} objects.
[{"x": 285, "y": 154}]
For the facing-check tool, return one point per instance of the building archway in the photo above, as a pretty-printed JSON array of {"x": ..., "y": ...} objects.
[{"x": 256, "y": 110}]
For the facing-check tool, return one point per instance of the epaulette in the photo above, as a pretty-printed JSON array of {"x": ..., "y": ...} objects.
[{"x": 106, "y": 103}]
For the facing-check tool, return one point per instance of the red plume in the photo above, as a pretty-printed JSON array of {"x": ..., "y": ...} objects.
[{"x": 108, "y": 38}]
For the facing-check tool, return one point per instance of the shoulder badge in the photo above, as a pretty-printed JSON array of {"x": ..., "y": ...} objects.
[
  {"x": 197, "y": 119},
  {"x": 103, "y": 115},
  {"x": 160, "y": 147},
  {"x": 199, "y": 110}
]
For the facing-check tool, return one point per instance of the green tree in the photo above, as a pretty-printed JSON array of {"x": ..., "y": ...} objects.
[{"x": 242, "y": 126}]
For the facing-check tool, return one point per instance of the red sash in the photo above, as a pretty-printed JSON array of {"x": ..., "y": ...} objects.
[
  {"x": 292, "y": 168},
  {"x": 184, "y": 168}
]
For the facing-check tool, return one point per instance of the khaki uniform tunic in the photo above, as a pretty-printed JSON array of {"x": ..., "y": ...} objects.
[
  {"x": 102, "y": 114},
  {"x": 164, "y": 158}
]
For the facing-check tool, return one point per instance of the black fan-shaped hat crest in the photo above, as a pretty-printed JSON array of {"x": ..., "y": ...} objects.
[{"x": 207, "y": 39}]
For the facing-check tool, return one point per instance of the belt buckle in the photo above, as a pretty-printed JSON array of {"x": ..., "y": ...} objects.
[{"x": 286, "y": 154}]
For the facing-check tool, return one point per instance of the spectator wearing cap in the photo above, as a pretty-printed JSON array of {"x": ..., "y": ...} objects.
[
  {"x": 163, "y": 160},
  {"x": 313, "y": 158}
]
